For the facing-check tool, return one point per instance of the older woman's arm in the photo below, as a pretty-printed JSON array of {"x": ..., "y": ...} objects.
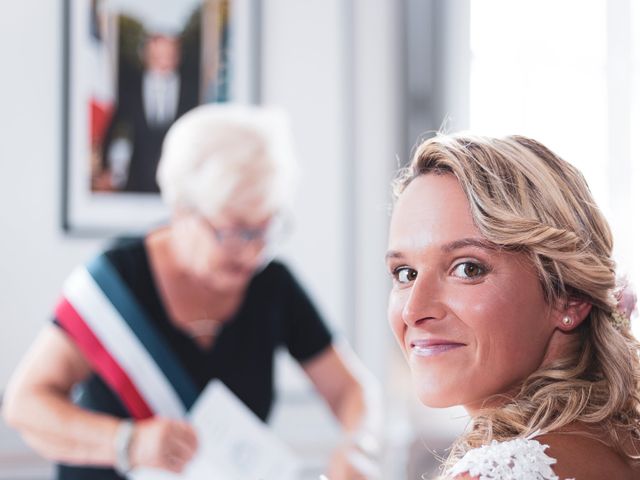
[
  {"x": 37, "y": 403},
  {"x": 354, "y": 396}
]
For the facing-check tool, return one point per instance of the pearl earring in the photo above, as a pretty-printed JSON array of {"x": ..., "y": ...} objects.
[{"x": 567, "y": 321}]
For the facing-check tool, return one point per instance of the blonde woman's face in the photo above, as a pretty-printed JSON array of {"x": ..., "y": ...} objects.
[{"x": 471, "y": 320}]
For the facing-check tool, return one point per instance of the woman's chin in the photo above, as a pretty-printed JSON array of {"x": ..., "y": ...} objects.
[
  {"x": 432, "y": 401},
  {"x": 232, "y": 279},
  {"x": 435, "y": 394}
]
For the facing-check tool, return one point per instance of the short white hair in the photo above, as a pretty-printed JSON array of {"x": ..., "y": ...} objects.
[{"x": 221, "y": 154}]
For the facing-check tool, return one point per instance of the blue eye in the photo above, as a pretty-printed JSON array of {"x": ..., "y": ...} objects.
[
  {"x": 469, "y": 270},
  {"x": 404, "y": 274}
]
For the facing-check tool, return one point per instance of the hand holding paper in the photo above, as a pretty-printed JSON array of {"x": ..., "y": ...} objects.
[{"x": 233, "y": 444}]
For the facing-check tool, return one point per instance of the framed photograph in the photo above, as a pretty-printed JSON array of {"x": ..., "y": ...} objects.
[{"x": 132, "y": 67}]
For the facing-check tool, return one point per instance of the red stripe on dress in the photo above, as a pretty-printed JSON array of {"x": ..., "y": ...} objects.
[{"x": 102, "y": 361}]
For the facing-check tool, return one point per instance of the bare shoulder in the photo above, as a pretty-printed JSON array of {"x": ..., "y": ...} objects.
[{"x": 585, "y": 458}]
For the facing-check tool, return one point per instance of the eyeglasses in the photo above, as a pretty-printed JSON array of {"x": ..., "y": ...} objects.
[{"x": 241, "y": 237}]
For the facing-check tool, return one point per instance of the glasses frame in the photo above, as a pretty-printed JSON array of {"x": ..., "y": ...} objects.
[{"x": 244, "y": 237}]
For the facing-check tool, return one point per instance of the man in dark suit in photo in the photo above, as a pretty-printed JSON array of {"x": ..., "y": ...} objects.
[{"x": 149, "y": 101}]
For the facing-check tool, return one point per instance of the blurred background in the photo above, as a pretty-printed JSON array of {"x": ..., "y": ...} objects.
[{"x": 362, "y": 81}]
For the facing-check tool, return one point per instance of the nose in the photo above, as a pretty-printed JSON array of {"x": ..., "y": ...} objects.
[{"x": 425, "y": 300}]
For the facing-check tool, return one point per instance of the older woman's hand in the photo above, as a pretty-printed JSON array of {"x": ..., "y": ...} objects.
[{"x": 163, "y": 443}]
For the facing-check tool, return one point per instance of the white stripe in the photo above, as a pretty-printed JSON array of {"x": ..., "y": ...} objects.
[{"x": 121, "y": 342}]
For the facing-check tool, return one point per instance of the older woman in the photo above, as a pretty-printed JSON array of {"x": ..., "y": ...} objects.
[
  {"x": 146, "y": 325},
  {"x": 505, "y": 301}
]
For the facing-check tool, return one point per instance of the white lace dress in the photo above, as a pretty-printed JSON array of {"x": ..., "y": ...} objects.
[{"x": 518, "y": 459}]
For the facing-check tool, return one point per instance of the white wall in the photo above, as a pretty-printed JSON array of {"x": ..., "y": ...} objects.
[
  {"x": 34, "y": 255},
  {"x": 305, "y": 77},
  {"x": 377, "y": 89}
]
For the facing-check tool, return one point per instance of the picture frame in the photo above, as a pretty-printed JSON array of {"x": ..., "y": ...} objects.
[{"x": 131, "y": 68}]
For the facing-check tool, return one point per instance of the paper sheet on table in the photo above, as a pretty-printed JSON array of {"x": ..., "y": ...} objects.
[{"x": 233, "y": 444}]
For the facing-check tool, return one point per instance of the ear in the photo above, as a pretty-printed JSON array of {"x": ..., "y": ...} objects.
[{"x": 572, "y": 314}]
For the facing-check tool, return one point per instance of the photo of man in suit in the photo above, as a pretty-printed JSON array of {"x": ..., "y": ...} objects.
[{"x": 150, "y": 100}]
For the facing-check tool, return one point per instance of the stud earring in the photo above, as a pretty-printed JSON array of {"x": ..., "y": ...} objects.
[{"x": 567, "y": 321}]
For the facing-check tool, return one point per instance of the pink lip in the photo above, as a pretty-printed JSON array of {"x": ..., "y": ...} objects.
[{"x": 432, "y": 346}]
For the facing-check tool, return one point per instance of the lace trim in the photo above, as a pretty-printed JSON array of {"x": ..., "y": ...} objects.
[{"x": 517, "y": 459}]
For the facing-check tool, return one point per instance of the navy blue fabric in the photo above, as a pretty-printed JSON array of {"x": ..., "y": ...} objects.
[{"x": 121, "y": 297}]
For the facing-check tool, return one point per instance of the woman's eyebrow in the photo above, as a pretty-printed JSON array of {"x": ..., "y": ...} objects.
[
  {"x": 468, "y": 242},
  {"x": 451, "y": 246},
  {"x": 393, "y": 254}
]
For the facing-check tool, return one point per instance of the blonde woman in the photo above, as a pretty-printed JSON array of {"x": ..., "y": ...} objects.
[
  {"x": 505, "y": 301},
  {"x": 141, "y": 329}
]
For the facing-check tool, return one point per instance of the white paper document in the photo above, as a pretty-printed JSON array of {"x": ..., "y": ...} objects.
[{"x": 233, "y": 444}]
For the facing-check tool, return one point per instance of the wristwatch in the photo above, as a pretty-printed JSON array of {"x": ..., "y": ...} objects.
[{"x": 122, "y": 444}]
